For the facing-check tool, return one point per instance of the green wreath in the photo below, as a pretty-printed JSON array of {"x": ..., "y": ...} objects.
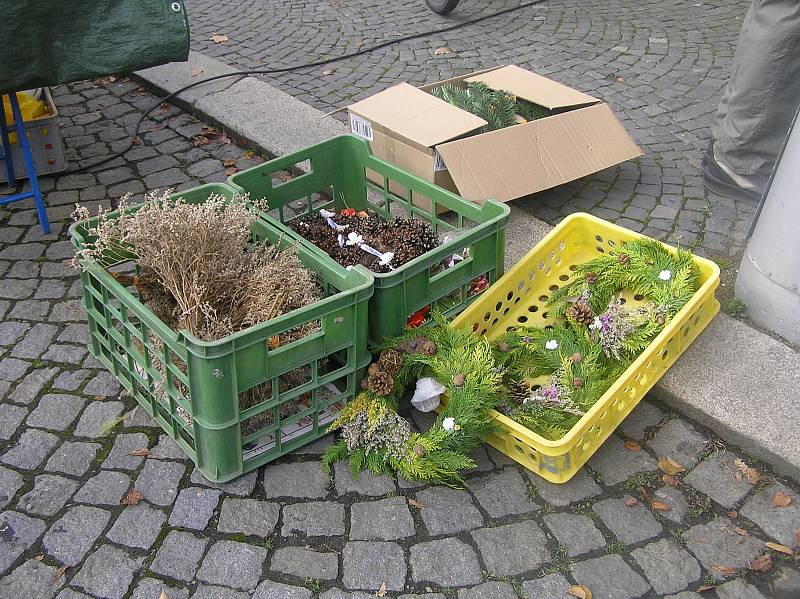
[{"x": 543, "y": 378}]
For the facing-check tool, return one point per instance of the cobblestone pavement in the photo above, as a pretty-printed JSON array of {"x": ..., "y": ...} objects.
[
  {"x": 660, "y": 65},
  {"x": 285, "y": 531}
]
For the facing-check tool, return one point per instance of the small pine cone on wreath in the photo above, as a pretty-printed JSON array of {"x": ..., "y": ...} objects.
[
  {"x": 426, "y": 347},
  {"x": 518, "y": 391},
  {"x": 391, "y": 361},
  {"x": 580, "y": 312},
  {"x": 381, "y": 383}
]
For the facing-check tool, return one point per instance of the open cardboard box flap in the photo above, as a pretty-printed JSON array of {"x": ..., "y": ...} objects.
[
  {"x": 416, "y": 115},
  {"x": 524, "y": 159},
  {"x": 534, "y": 88}
]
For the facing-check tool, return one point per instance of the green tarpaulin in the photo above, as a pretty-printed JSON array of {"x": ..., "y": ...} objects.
[{"x": 46, "y": 42}]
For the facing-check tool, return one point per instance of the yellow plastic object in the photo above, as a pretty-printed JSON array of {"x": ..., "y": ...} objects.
[
  {"x": 520, "y": 297},
  {"x": 30, "y": 108}
]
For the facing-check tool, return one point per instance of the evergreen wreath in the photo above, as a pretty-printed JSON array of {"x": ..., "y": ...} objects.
[{"x": 543, "y": 378}]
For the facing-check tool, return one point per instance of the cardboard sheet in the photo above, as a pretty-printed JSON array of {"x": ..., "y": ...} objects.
[{"x": 523, "y": 159}]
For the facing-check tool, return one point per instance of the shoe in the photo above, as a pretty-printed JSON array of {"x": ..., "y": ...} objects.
[{"x": 717, "y": 180}]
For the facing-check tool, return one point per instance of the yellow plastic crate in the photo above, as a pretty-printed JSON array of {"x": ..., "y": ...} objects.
[{"x": 520, "y": 297}]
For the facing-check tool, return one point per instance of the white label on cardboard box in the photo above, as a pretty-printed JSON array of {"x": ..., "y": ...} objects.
[
  {"x": 438, "y": 162},
  {"x": 361, "y": 127}
]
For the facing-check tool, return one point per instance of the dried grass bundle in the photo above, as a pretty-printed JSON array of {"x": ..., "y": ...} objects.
[{"x": 199, "y": 268}]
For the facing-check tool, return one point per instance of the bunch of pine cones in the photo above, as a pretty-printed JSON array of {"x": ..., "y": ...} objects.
[
  {"x": 380, "y": 374},
  {"x": 407, "y": 238}
]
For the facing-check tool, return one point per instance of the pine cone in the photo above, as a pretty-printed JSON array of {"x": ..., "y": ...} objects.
[
  {"x": 381, "y": 383},
  {"x": 590, "y": 278},
  {"x": 374, "y": 368},
  {"x": 518, "y": 391},
  {"x": 580, "y": 312},
  {"x": 391, "y": 361},
  {"x": 624, "y": 259},
  {"x": 458, "y": 380},
  {"x": 427, "y": 347},
  {"x": 502, "y": 346},
  {"x": 364, "y": 384}
]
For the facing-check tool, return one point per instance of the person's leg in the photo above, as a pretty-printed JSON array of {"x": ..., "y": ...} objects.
[{"x": 759, "y": 101}]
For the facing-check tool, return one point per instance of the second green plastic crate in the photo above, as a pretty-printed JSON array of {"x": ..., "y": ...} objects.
[
  {"x": 192, "y": 387},
  {"x": 341, "y": 173}
]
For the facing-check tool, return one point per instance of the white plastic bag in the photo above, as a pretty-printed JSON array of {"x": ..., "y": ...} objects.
[{"x": 426, "y": 395}]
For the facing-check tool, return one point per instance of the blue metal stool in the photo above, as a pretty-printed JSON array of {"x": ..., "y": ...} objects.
[{"x": 27, "y": 158}]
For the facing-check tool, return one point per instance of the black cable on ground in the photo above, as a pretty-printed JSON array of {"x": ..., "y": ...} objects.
[{"x": 309, "y": 65}]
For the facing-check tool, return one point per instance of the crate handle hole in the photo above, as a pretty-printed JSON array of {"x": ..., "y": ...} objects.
[
  {"x": 600, "y": 250},
  {"x": 553, "y": 287},
  {"x": 533, "y": 308},
  {"x": 543, "y": 298},
  {"x": 522, "y": 319},
  {"x": 599, "y": 238},
  {"x": 563, "y": 278}
]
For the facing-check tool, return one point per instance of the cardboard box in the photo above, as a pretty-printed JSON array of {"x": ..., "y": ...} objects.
[{"x": 434, "y": 140}]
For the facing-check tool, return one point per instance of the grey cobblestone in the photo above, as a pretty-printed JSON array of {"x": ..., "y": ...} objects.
[
  {"x": 305, "y": 563},
  {"x": 384, "y": 520},
  {"x": 718, "y": 543},
  {"x": 12, "y": 331},
  {"x": 31, "y": 449},
  {"x": 366, "y": 484},
  {"x": 56, "y": 412},
  {"x": 108, "y": 572},
  {"x": 231, "y": 564},
  {"x": 11, "y": 417},
  {"x": 512, "y": 549},
  {"x": 158, "y": 481},
  {"x": 18, "y": 533},
  {"x": 313, "y": 519},
  {"x": 579, "y": 487},
  {"x": 609, "y": 577},
  {"x": 303, "y": 480},
  {"x": 106, "y": 488},
  {"x": 149, "y": 588},
  {"x": 179, "y": 556},
  {"x": 194, "y": 507},
  {"x": 630, "y": 524},
  {"x": 120, "y": 457},
  {"x": 679, "y": 441},
  {"x": 30, "y": 386},
  {"x": 502, "y": 494},
  {"x": 369, "y": 565},
  {"x": 69, "y": 539},
  {"x": 576, "y": 533},
  {"x": 446, "y": 562},
  {"x": 716, "y": 477},
  {"x": 448, "y": 511},
  {"x": 614, "y": 463},
  {"x": 276, "y": 590},
  {"x": 72, "y": 458},
  {"x": 489, "y": 590},
  {"x": 32, "y": 579},
  {"x": 137, "y": 526},
  {"x": 550, "y": 586},
  {"x": 248, "y": 516},
  {"x": 70, "y": 380},
  {"x": 668, "y": 567},
  {"x": 49, "y": 494},
  {"x": 242, "y": 486},
  {"x": 95, "y": 416},
  {"x": 10, "y": 483},
  {"x": 781, "y": 523}
]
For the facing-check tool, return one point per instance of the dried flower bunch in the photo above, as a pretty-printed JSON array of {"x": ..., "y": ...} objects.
[
  {"x": 341, "y": 236},
  {"x": 199, "y": 268}
]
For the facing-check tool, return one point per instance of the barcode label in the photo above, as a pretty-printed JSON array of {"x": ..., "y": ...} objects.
[
  {"x": 438, "y": 163},
  {"x": 361, "y": 127}
]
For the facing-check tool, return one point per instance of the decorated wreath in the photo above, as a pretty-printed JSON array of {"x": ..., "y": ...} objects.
[{"x": 543, "y": 378}]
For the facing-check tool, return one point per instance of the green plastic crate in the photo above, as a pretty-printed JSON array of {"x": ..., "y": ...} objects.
[
  {"x": 340, "y": 174},
  {"x": 191, "y": 387}
]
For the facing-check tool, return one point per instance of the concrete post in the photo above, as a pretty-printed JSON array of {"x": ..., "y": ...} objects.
[{"x": 769, "y": 276}]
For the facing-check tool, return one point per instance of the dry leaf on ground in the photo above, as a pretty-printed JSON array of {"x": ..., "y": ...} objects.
[
  {"x": 414, "y": 503},
  {"x": 580, "y": 591},
  {"x": 381, "y": 592},
  {"x": 761, "y": 564},
  {"x": 631, "y": 501},
  {"x": 140, "y": 453},
  {"x": 248, "y": 154},
  {"x": 670, "y": 466},
  {"x": 705, "y": 587},
  {"x": 780, "y": 548},
  {"x": 132, "y": 498},
  {"x": 671, "y": 481},
  {"x": 797, "y": 538},
  {"x": 105, "y": 80},
  {"x": 39, "y": 558},
  {"x": 231, "y": 170},
  {"x": 741, "y": 531},
  {"x": 327, "y": 72},
  {"x": 229, "y": 162},
  {"x": 733, "y": 515},
  {"x": 633, "y": 445},
  {"x": 219, "y": 38},
  {"x": 158, "y": 127},
  {"x": 59, "y": 573},
  {"x": 781, "y": 499},
  {"x": 163, "y": 595},
  {"x": 751, "y": 474},
  {"x": 726, "y": 570},
  {"x": 660, "y": 506},
  {"x": 196, "y": 72},
  {"x": 441, "y": 50}
]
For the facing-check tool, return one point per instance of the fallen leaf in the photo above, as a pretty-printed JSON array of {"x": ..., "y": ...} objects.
[
  {"x": 670, "y": 466},
  {"x": 327, "y": 72},
  {"x": 140, "y": 453},
  {"x": 797, "y": 537},
  {"x": 219, "y": 38},
  {"x": 105, "y": 80},
  {"x": 132, "y": 498},
  {"x": 231, "y": 170},
  {"x": 414, "y": 503},
  {"x": 620, "y": 79},
  {"x": 633, "y": 445},
  {"x": 780, "y": 548},
  {"x": 761, "y": 564},
  {"x": 441, "y": 50},
  {"x": 164, "y": 109},
  {"x": 248, "y": 154},
  {"x": 229, "y": 162},
  {"x": 660, "y": 506},
  {"x": 381, "y": 592},
  {"x": 580, "y": 591},
  {"x": 223, "y": 138},
  {"x": 196, "y": 72},
  {"x": 60, "y": 572},
  {"x": 136, "y": 141},
  {"x": 741, "y": 531},
  {"x": 752, "y": 475},
  {"x": 200, "y": 140},
  {"x": 163, "y": 595},
  {"x": 158, "y": 127},
  {"x": 39, "y": 558},
  {"x": 726, "y": 570},
  {"x": 781, "y": 499},
  {"x": 705, "y": 587},
  {"x": 108, "y": 426},
  {"x": 99, "y": 398},
  {"x": 360, "y": 45},
  {"x": 733, "y": 515},
  {"x": 631, "y": 501},
  {"x": 671, "y": 481}
]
